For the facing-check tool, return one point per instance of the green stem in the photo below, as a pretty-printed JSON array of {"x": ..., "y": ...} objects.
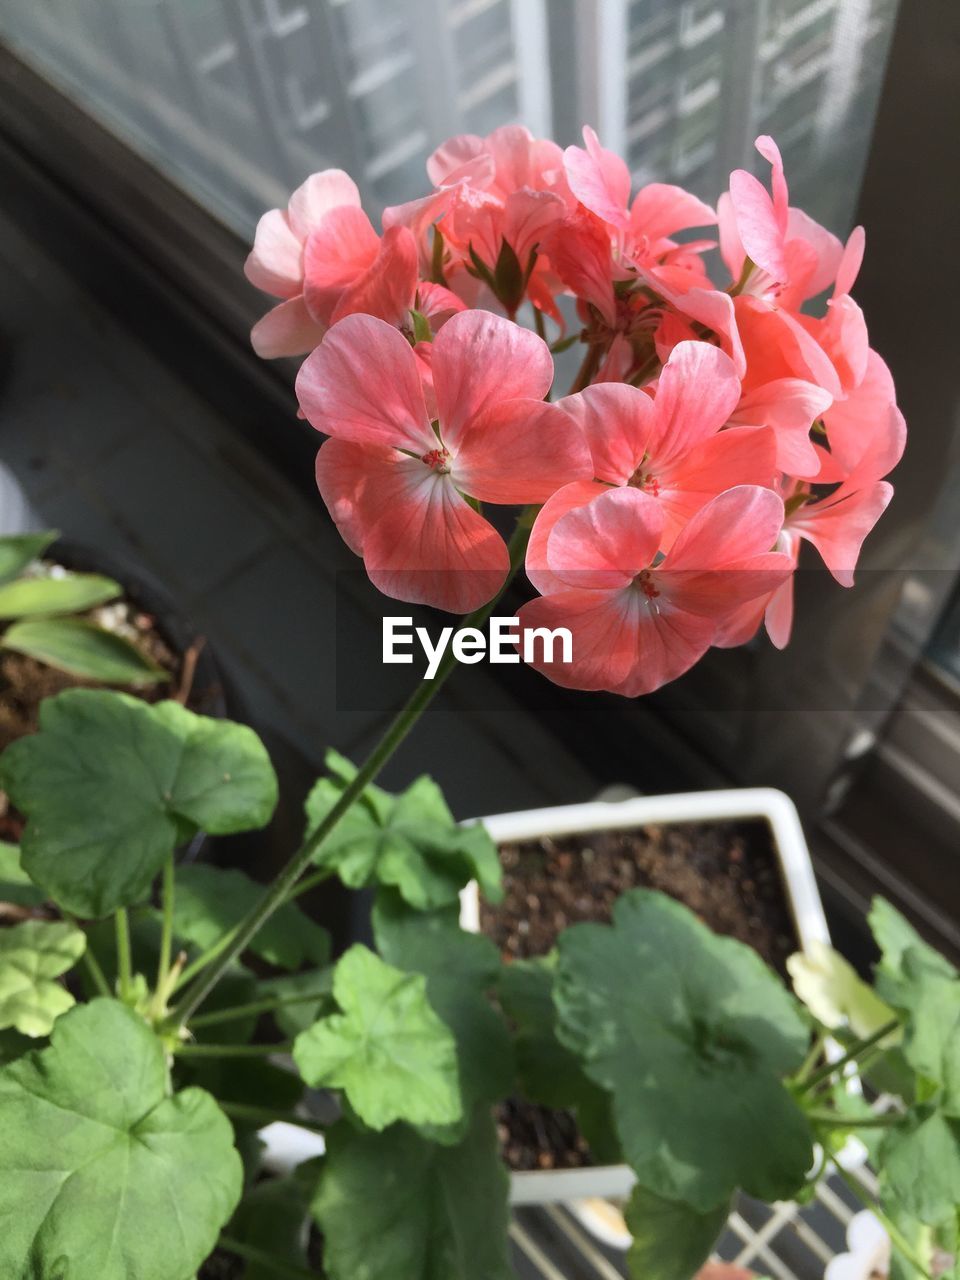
[
  {"x": 248, "y": 1010},
  {"x": 856, "y": 1050},
  {"x": 205, "y": 958},
  {"x": 310, "y": 882},
  {"x": 538, "y": 323},
  {"x": 408, "y": 716},
  {"x": 90, "y": 961},
  {"x": 891, "y": 1228},
  {"x": 124, "y": 962},
  {"x": 166, "y": 939},
  {"x": 231, "y": 1050},
  {"x": 267, "y": 1115},
  {"x": 838, "y": 1121},
  {"x": 283, "y": 1270},
  {"x": 813, "y": 1057}
]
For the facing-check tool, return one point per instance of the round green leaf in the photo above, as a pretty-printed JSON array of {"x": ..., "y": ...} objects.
[
  {"x": 83, "y": 649},
  {"x": 111, "y": 785},
  {"x": 40, "y": 597},
  {"x": 103, "y": 1174},
  {"x": 32, "y": 956},
  {"x": 387, "y": 1050},
  {"x": 671, "y": 1241},
  {"x": 209, "y": 901},
  {"x": 409, "y": 841},
  {"x": 394, "y": 1206},
  {"x": 691, "y": 1034},
  {"x": 15, "y": 885}
]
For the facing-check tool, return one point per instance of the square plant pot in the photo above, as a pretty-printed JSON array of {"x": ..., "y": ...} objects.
[{"x": 799, "y": 888}]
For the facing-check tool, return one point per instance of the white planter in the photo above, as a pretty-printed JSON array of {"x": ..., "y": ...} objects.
[
  {"x": 15, "y": 513},
  {"x": 800, "y": 888}
]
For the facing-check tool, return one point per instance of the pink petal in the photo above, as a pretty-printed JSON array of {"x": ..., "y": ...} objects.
[
  {"x": 621, "y": 641},
  {"x": 599, "y": 179},
  {"x": 616, "y": 422},
  {"x": 740, "y": 523},
  {"x": 566, "y": 499},
  {"x": 697, "y": 392},
  {"x": 771, "y": 152},
  {"x": 339, "y": 249},
  {"x": 757, "y": 225},
  {"x": 287, "y": 330},
  {"x": 779, "y": 615},
  {"x": 711, "y": 307},
  {"x": 388, "y": 286},
  {"x": 661, "y": 209},
  {"x": 362, "y": 384},
  {"x": 520, "y": 451},
  {"x": 843, "y": 336},
  {"x": 317, "y": 196},
  {"x": 731, "y": 250},
  {"x": 428, "y": 545},
  {"x": 527, "y": 219},
  {"x": 512, "y": 149},
  {"x": 343, "y": 474},
  {"x": 827, "y": 250},
  {"x": 838, "y": 526},
  {"x": 790, "y": 406},
  {"x": 777, "y": 345},
  {"x": 866, "y": 431},
  {"x": 580, "y": 253},
  {"x": 479, "y": 360},
  {"x": 738, "y": 456},
  {"x": 437, "y": 303},
  {"x": 605, "y": 544},
  {"x": 275, "y": 263},
  {"x": 850, "y": 262},
  {"x": 452, "y": 155}
]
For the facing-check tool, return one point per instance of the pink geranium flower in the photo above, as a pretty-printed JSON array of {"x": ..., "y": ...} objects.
[
  {"x": 322, "y": 256},
  {"x": 494, "y": 202},
  {"x": 636, "y": 621},
  {"x": 402, "y": 480},
  {"x": 671, "y": 447}
]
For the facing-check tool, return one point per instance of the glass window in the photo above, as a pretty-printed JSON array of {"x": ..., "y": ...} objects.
[{"x": 240, "y": 99}]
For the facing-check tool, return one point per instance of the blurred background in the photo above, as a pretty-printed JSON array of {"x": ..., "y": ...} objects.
[{"x": 140, "y": 140}]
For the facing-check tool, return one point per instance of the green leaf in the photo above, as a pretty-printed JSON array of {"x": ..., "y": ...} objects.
[
  {"x": 32, "y": 956},
  {"x": 20, "y": 549},
  {"x": 209, "y": 901},
  {"x": 509, "y": 279},
  {"x": 83, "y": 649},
  {"x": 274, "y": 1217},
  {"x": 421, "y": 327},
  {"x": 920, "y": 1166},
  {"x": 549, "y": 1073},
  {"x": 460, "y": 968},
  {"x": 409, "y": 841},
  {"x": 296, "y": 1017},
  {"x": 111, "y": 786},
  {"x": 394, "y": 1206},
  {"x": 387, "y": 1050},
  {"x": 690, "y": 1032},
  {"x": 15, "y": 885},
  {"x": 671, "y": 1241},
  {"x": 43, "y": 597},
  {"x": 100, "y": 1166},
  {"x": 895, "y": 935},
  {"x": 931, "y": 1040}
]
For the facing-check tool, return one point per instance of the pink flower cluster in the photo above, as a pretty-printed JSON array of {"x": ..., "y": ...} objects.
[{"x": 711, "y": 428}]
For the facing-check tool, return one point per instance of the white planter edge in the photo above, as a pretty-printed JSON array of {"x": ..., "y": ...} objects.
[{"x": 800, "y": 887}]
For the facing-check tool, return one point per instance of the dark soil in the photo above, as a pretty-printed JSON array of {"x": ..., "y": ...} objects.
[
  {"x": 533, "y": 1137},
  {"x": 727, "y": 873}
]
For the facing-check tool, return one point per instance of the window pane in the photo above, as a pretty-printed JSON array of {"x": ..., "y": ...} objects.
[{"x": 239, "y": 99}]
